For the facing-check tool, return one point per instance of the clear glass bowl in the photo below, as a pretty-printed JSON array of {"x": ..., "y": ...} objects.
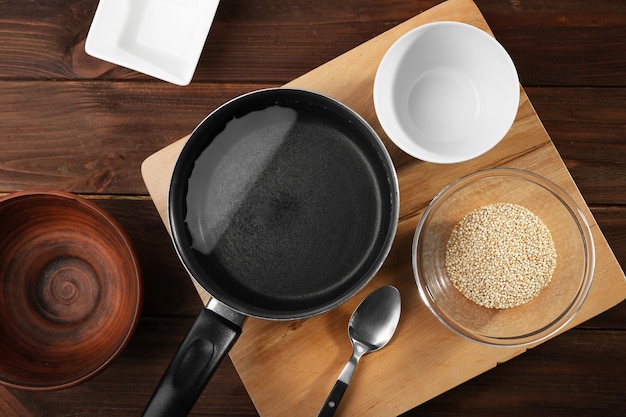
[{"x": 553, "y": 307}]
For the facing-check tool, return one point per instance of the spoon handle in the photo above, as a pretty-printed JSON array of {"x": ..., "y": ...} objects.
[
  {"x": 333, "y": 399},
  {"x": 332, "y": 402}
]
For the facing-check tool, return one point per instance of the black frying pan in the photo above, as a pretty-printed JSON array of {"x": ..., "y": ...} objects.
[{"x": 283, "y": 204}]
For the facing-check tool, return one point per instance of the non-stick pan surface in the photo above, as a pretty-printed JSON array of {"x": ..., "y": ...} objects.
[{"x": 283, "y": 204}]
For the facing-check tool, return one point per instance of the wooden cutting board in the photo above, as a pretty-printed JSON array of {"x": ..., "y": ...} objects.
[{"x": 288, "y": 368}]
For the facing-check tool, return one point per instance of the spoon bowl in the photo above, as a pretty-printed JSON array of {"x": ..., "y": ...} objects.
[
  {"x": 374, "y": 321},
  {"x": 370, "y": 328}
]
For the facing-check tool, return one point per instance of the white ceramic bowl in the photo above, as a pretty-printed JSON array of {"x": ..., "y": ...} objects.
[
  {"x": 161, "y": 38},
  {"x": 446, "y": 92}
]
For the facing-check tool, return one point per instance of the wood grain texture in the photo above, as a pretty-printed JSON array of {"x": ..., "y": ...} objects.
[
  {"x": 310, "y": 346},
  {"x": 124, "y": 388},
  {"x": 525, "y": 386},
  {"x": 547, "y": 41},
  {"x": 72, "y": 122},
  {"x": 91, "y": 137}
]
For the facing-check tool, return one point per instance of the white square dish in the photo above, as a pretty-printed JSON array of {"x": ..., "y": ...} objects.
[{"x": 160, "y": 38}]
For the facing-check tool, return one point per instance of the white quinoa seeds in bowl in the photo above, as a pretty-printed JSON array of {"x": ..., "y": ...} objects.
[
  {"x": 500, "y": 255},
  {"x": 503, "y": 257}
]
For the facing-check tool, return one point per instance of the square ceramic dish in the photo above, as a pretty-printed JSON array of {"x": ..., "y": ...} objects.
[{"x": 160, "y": 38}]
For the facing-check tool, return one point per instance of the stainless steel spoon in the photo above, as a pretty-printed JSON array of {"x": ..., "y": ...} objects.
[{"x": 370, "y": 328}]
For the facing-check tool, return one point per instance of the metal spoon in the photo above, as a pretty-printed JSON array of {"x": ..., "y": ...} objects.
[{"x": 370, "y": 328}]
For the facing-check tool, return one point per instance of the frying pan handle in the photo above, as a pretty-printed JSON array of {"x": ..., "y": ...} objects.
[{"x": 208, "y": 341}]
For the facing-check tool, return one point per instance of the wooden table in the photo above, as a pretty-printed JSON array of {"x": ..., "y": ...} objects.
[{"x": 72, "y": 122}]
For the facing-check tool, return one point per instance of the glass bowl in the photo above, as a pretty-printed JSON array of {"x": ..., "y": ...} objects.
[{"x": 555, "y": 305}]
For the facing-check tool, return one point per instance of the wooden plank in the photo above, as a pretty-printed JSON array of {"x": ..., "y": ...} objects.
[
  {"x": 168, "y": 292},
  {"x": 91, "y": 137},
  {"x": 167, "y": 289},
  {"x": 562, "y": 377},
  {"x": 577, "y": 373},
  {"x": 123, "y": 388},
  {"x": 10, "y": 406},
  {"x": 49, "y": 41},
  {"x": 562, "y": 43},
  {"x": 590, "y": 138},
  {"x": 248, "y": 42},
  {"x": 349, "y": 78}
]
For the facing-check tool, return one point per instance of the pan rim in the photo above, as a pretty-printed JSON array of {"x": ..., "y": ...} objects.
[{"x": 177, "y": 229}]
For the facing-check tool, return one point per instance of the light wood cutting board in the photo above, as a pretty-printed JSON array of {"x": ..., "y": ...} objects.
[{"x": 288, "y": 368}]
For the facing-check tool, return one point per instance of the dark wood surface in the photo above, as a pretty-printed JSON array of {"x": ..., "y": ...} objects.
[{"x": 71, "y": 122}]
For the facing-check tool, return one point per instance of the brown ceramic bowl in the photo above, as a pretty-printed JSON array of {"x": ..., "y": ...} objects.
[{"x": 70, "y": 290}]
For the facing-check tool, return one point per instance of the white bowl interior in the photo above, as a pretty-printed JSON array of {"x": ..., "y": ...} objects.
[{"x": 446, "y": 92}]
